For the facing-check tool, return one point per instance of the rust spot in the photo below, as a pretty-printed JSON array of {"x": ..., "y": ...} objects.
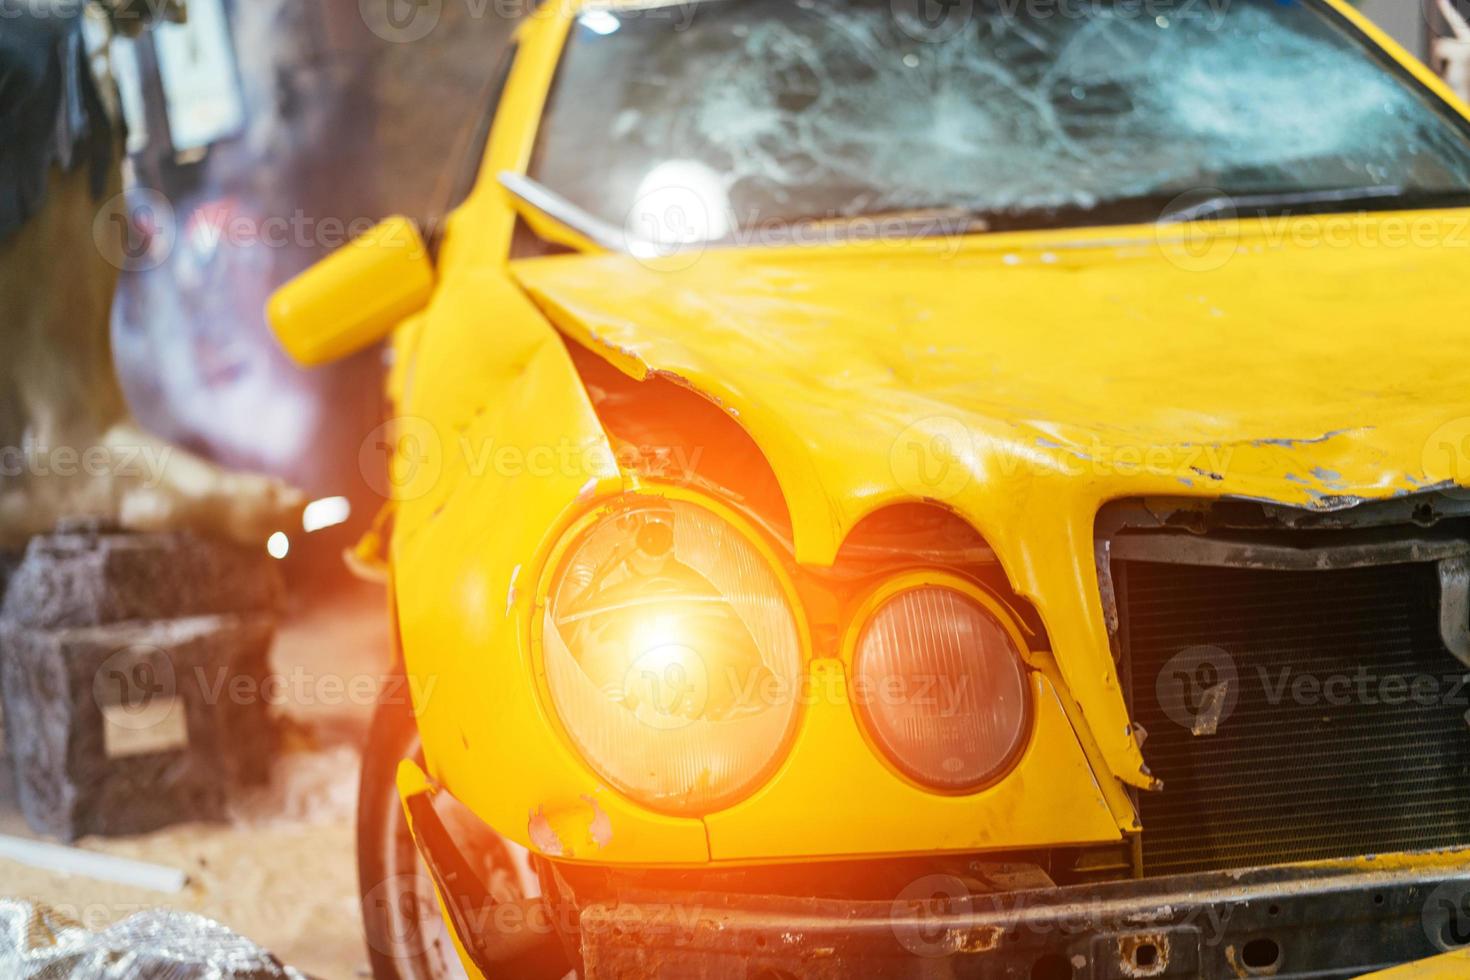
[
  {"x": 981, "y": 939},
  {"x": 1143, "y": 954},
  {"x": 1232, "y": 959}
]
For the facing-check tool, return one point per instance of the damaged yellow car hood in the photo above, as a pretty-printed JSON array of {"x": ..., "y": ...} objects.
[
  {"x": 1025, "y": 380},
  {"x": 1243, "y": 363}
]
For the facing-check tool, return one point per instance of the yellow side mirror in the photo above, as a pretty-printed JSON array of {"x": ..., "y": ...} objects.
[{"x": 355, "y": 296}]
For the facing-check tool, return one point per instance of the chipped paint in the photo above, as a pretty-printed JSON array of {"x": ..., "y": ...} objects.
[
  {"x": 510, "y": 593},
  {"x": 600, "y": 828},
  {"x": 543, "y": 837},
  {"x": 1289, "y": 443}
]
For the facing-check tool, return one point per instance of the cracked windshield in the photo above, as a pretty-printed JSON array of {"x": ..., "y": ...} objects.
[{"x": 750, "y": 120}]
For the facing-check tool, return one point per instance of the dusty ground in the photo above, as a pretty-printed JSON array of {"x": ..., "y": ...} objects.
[{"x": 283, "y": 871}]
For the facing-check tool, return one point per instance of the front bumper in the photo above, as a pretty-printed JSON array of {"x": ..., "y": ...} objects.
[
  {"x": 1321, "y": 920},
  {"x": 1325, "y": 919}
]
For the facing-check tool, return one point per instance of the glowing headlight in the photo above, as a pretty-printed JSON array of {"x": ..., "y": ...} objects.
[
  {"x": 672, "y": 656},
  {"x": 941, "y": 688}
]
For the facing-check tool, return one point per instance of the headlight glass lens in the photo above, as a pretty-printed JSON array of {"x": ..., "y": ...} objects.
[
  {"x": 941, "y": 688},
  {"x": 672, "y": 656}
]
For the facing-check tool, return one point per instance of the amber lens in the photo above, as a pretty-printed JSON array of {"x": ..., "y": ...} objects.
[
  {"x": 941, "y": 688},
  {"x": 672, "y": 656}
]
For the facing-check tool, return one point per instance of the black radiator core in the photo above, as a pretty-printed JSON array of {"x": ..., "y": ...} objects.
[{"x": 1294, "y": 770}]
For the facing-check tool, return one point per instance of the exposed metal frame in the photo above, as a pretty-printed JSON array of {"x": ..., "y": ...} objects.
[
  {"x": 1248, "y": 534},
  {"x": 1303, "y": 921}
]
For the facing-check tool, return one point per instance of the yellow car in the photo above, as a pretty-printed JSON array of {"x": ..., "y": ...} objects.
[{"x": 888, "y": 489}]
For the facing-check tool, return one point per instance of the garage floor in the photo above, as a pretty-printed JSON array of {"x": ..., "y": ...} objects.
[{"x": 283, "y": 872}]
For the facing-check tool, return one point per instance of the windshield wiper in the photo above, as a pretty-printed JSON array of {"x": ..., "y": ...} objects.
[
  {"x": 1220, "y": 204},
  {"x": 600, "y": 233}
]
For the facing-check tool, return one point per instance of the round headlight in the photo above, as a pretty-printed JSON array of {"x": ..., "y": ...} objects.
[
  {"x": 672, "y": 655},
  {"x": 941, "y": 688}
]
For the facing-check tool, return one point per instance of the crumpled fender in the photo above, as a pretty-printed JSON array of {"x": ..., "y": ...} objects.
[{"x": 495, "y": 449}]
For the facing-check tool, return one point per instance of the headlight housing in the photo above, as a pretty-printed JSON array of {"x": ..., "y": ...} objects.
[
  {"x": 940, "y": 686},
  {"x": 672, "y": 654}
]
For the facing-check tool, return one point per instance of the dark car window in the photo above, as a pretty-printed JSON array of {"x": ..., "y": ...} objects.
[{"x": 473, "y": 155}]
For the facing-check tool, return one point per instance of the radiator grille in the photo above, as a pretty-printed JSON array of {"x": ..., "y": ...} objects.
[{"x": 1289, "y": 775}]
